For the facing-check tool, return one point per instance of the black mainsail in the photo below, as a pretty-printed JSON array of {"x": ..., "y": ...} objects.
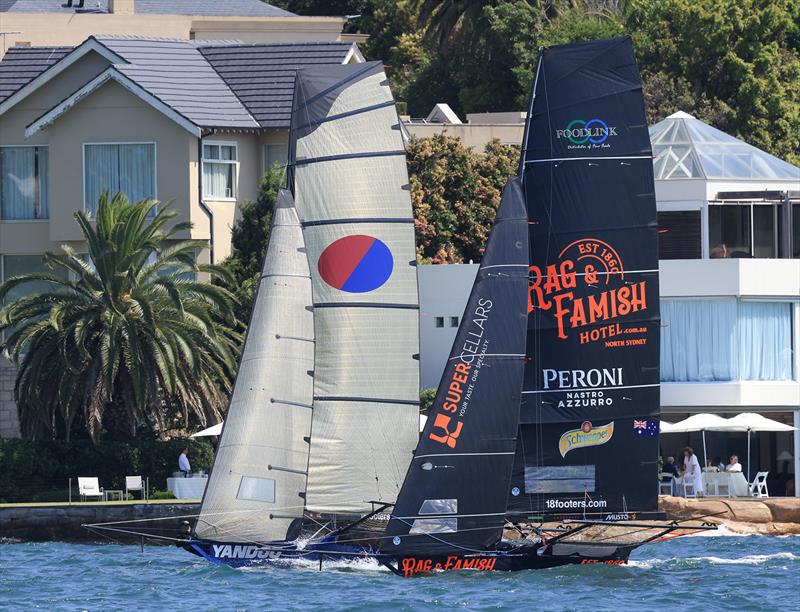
[
  {"x": 454, "y": 495},
  {"x": 588, "y": 437}
]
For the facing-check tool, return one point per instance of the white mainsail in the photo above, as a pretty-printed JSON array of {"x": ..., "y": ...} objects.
[
  {"x": 352, "y": 195},
  {"x": 259, "y": 475}
]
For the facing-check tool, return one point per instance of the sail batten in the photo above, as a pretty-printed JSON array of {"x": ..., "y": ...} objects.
[
  {"x": 259, "y": 471},
  {"x": 591, "y": 391},
  {"x": 350, "y": 184},
  {"x": 454, "y": 495}
]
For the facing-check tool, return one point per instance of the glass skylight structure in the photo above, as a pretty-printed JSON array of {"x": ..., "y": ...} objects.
[{"x": 687, "y": 148}]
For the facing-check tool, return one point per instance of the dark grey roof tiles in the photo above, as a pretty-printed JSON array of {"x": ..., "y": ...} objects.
[
  {"x": 20, "y": 65},
  {"x": 176, "y": 73},
  {"x": 262, "y": 76},
  {"x": 214, "y": 84},
  {"x": 211, "y": 8}
]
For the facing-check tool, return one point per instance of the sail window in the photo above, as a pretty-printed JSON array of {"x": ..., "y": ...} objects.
[
  {"x": 439, "y": 321},
  {"x": 559, "y": 479},
  {"x": 439, "y": 506},
  {"x": 453, "y": 321},
  {"x": 434, "y": 525},
  {"x": 257, "y": 489}
]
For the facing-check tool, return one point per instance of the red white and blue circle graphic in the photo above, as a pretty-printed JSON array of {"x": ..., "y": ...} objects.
[{"x": 356, "y": 264}]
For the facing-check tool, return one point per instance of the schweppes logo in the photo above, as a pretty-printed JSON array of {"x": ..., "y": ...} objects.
[
  {"x": 587, "y": 286},
  {"x": 586, "y": 435}
]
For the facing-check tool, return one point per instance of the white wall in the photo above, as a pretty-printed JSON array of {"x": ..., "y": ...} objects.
[{"x": 443, "y": 292}]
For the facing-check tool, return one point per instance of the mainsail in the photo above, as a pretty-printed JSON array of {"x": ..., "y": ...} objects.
[
  {"x": 324, "y": 412},
  {"x": 454, "y": 496},
  {"x": 348, "y": 172},
  {"x": 588, "y": 439},
  {"x": 259, "y": 475}
]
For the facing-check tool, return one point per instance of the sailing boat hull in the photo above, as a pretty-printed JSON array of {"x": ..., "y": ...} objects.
[{"x": 526, "y": 557}]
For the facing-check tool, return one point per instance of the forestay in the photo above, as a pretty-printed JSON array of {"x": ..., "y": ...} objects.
[
  {"x": 259, "y": 474},
  {"x": 348, "y": 172},
  {"x": 454, "y": 496}
]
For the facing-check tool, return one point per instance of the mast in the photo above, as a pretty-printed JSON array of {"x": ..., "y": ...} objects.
[
  {"x": 349, "y": 176},
  {"x": 588, "y": 438},
  {"x": 255, "y": 490},
  {"x": 455, "y": 492}
]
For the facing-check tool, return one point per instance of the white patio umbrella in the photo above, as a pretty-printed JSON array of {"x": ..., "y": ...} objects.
[
  {"x": 211, "y": 431},
  {"x": 665, "y": 427},
  {"x": 700, "y": 422},
  {"x": 752, "y": 421}
]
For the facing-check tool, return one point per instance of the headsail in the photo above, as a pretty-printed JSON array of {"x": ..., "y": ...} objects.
[
  {"x": 259, "y": 470},
  {"x": 588, "y": 438},
  {"x": 348, "y": 173},
  {"x": 454, "y": 496}
]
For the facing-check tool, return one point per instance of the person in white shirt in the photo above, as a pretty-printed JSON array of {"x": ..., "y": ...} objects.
[
  {"x": 734, "y": 465},
  {"x": 183, "y": 462},
  {"x": 691, "y": 470}
]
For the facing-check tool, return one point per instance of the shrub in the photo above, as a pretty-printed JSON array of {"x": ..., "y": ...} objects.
[{"x": 39, "y": 470}]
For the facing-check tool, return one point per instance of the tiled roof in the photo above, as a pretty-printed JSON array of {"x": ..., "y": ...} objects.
[
  {"x": 23, "y": 64},
  {"x": 177, "y": 74},
  {"x": 262, "y": 76},
  {"x": 215, "y": 8},
  {"x": 213, "y": 84}
]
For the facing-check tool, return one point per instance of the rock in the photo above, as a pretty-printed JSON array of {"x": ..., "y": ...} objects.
[{"x": 784, "y": 510}]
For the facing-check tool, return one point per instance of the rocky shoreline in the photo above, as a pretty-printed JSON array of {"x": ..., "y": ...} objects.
[{"x": 765, "y": 516}]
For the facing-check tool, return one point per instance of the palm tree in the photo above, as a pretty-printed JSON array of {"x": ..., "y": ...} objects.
[{"x": 124, "y": 337}]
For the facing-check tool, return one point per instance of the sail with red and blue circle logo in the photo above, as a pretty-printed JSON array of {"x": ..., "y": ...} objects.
[{"x": 356, "y": 264}]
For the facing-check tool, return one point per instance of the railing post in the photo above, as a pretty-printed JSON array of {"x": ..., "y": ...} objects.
[{"x": 70, "y": 491}]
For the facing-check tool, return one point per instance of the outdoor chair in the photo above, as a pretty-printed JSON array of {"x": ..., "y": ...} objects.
[
  {"x": 135, "y": 483},
  {"x": 90, "y": 487},
  {"x": 758, "y": 488},
  {"x": 668, "y": 485},
  {"x": 688, "y": 489}
]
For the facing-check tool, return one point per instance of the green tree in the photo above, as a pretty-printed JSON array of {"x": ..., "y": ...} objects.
[
  {"x": 741, "y": 55},
  {"x": 455, "y": 193},
  {"x": 125, "y": 337},
  {"x": 249, "y": 240}
]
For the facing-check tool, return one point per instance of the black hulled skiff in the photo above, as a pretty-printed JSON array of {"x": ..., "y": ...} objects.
[{"x": 548, "y": 406}]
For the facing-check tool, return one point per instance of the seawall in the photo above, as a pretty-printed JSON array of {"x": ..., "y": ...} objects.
[
  {"x": 766, "y": 516},
  {"x": 46, "y": 522}
]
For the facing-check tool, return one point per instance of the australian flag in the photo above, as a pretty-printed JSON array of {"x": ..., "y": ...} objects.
[{"x": 645, "y": 427}]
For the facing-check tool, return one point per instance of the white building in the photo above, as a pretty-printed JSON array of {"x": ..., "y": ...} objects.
[{"x": 729, "y": 219}]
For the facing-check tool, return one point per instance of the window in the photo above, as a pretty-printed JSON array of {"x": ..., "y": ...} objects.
[
  {"x": 127, "y": 168},
  {"x": 679, "y": 234},
  {"x": 275, "y": 154},
  {"x": 549, "y": 479},
  {"x": 796, "y": 230},
  {"x": 219, "y": 170},
  {"x": 17, "y": 265},
  {"x": 439, "y": 321},
  {"x": 453, "y": 321},
  {"x": 725, "y": 339},
  {"x": 439, "y": 506},
  {"x": 23, "y": 183},
  {"x": 742, "y": 230},
  {"x": 257, "y": 489}
]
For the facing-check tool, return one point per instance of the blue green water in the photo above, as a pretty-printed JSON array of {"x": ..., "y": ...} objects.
[{"x": 706, "y": 573}]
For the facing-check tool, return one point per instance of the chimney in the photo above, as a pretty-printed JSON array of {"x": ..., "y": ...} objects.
[{"x": 121, "y": 7}]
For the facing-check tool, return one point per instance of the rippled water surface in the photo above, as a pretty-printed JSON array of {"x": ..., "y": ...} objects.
[{"x": 705, "y": 573}]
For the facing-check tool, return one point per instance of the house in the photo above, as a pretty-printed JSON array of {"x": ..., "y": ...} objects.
[
  {"x": 41, "y": 23},
  {"x": 729, "y": 272},
  {"x": 191, "y": 122},
  {"x": 479, "y": 129}
]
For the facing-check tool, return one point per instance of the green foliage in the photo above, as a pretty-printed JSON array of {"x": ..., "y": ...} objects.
[
  {"x": 39, "y": 470},
  {"x": 249, "y": 241},
  {"x": 455, "y": 193},
  {"x": 125, "y": 338},
  {"x": 426, "y": 397},
  {"x": 740, "y": 56}
]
